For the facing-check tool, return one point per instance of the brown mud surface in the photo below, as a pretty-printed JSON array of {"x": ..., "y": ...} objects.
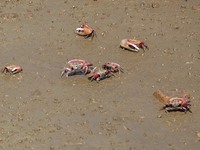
[{"x": 41, "y": 111}]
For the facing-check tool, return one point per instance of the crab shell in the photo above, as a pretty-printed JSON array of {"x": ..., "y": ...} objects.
[
  {"x": 183, "y": 102},
  {"x": 132, "y": 45},
  {"x": 83, "y": 64},
  {"x": 113, "y": 67},
  {"x": 80, "y": 61},
  {"x": 12, "y": 69},
  {"x": 84, "y": 30},
  {"x": 178, "y": 104},
  {"x": 99, "y": 75}
]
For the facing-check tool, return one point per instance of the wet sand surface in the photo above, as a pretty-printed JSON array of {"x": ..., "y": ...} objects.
[{"x": 41, "y": 111}]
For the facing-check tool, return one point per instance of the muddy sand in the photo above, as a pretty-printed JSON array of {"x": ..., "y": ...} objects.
[{"x": 41, "y": 111}]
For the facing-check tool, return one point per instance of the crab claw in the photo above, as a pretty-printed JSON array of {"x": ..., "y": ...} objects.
[
  {"x": 13, "y": 69},
  {"x": 133, "y": 45},
  {"x": 80, "y": 31},
  {"x": 126, "y": 44},
  {"x": 85, "y": 30},
  {"x": 65, "y": 71}
]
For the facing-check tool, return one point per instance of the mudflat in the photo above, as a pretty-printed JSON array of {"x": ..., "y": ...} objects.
[{"x": 41, "y": 111}]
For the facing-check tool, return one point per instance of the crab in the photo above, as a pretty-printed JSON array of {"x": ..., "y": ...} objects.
[
  {"x": 133, "y": 45},
  {"x": 77, "y": 66},
  {"x": 85, "y": 30},
  {"x": 12, "y": 69},
  {"x": 113, "y": 67},
  {"x": 177, "y": 104},
  {"x": 99, "y": 75}
]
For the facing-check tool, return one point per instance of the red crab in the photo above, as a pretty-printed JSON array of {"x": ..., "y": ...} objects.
[
  {"x": 85, "y": 30},
  {"x": 77, "y": 66},
  {"x": 113, "y": 67},
  {"x": 13, "y": 69},
  {"x": 99, "y": 75},
  {"x": 178, "y": 104},
  {"x": 174, "y": 103},
  {"x": 132, "y": 45}
]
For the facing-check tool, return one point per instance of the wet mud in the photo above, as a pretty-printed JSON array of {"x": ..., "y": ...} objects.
[{"x": 41, "y": 111}]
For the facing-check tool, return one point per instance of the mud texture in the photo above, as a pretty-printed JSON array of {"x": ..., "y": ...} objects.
[{"x": 41, "y": 111}]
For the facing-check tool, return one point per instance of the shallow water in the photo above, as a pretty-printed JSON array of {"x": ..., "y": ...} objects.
[{"x": 40, "y": 110}]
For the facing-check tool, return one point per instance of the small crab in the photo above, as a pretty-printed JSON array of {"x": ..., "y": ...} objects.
[
  {"x": 113, "y": 67},
  {"x": 177, "y": 104},
  {"x": 99, "y": 75},
  {"x": 178, "y": 101},
  {"x": 85, "y": 30},
  {"x": 12, "y": 69},
  {"x": 77, "y": 66},
  {"x": 132, "y": 45}
]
